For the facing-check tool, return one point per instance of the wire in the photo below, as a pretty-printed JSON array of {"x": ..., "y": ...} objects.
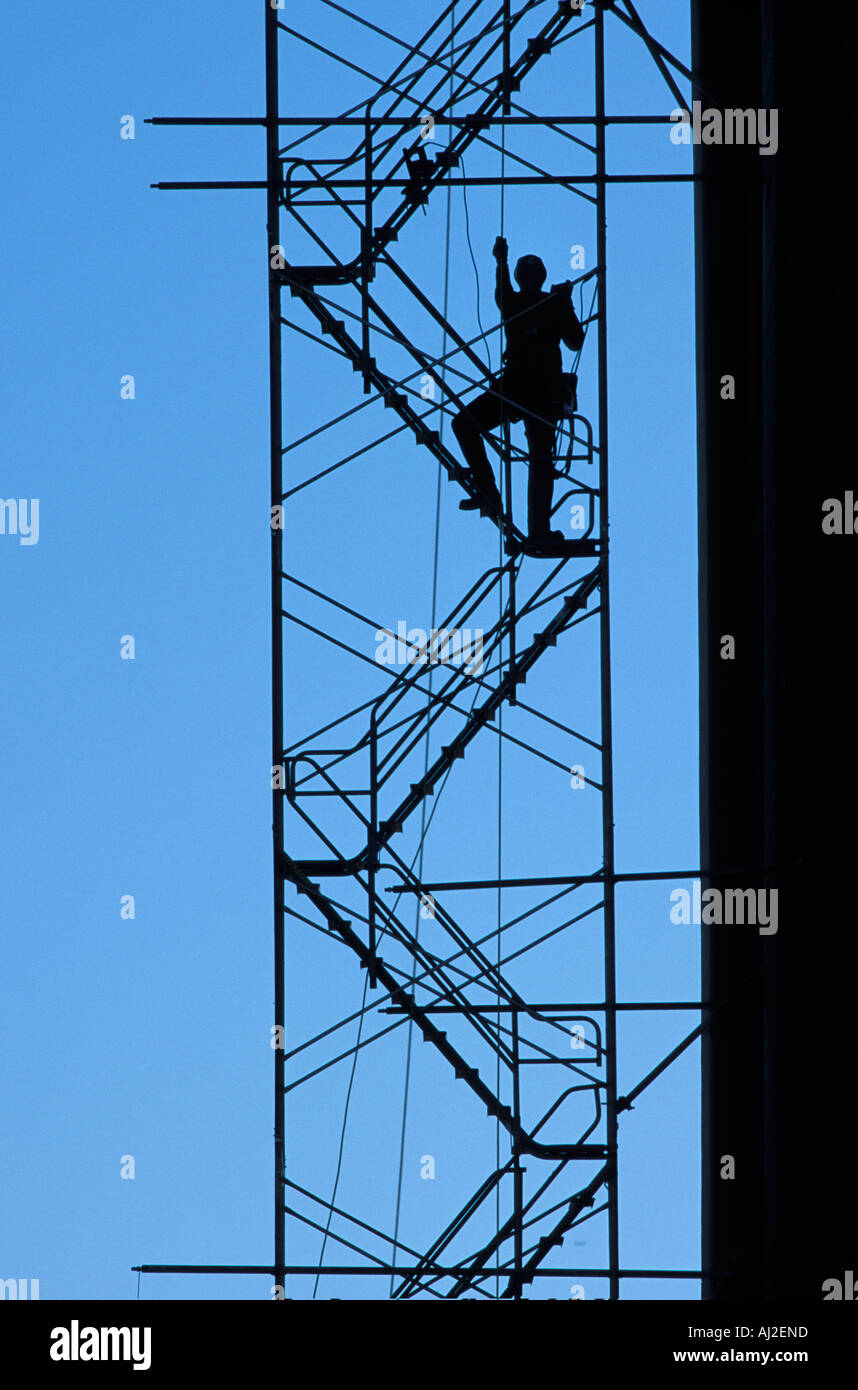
[
  {"x": 429, "y": 696},
  {"x": 342, "y": 1136},
  {"x": 474, "y": 263}
]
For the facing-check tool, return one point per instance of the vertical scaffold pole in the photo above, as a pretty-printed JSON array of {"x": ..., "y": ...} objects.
[
  {"x": 605, "y": 663},
  {"x": 273, "y": 180}
]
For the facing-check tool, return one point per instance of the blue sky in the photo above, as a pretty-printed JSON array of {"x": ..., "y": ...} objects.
[{"x": 150, "y": 1037}]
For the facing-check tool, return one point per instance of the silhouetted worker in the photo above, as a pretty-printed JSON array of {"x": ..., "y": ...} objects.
[{"x": 530, "y": 387}]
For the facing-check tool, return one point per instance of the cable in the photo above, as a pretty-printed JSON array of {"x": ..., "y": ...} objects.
[
  {"x": 474, "y": 263},
  {"x": 342, "y": 1137},
  {"x": 423, "y": 826}
]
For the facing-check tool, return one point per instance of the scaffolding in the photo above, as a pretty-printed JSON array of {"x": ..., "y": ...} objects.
[{"x": 408, "y": 734}]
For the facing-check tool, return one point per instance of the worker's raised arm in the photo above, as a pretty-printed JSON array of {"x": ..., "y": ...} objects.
[
  {"x": 571, "y": 331},
  {"x": 503, "y": 284}
]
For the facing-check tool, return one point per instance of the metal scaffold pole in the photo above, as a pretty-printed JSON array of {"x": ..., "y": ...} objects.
[
  {"x": 605, "y": 662},
  {"x": 273, "y": 197}
]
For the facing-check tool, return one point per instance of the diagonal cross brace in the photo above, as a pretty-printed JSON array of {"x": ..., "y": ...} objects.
[
  {"x": 517, "y": 673},
  {"x": 525, "y": 1144}
]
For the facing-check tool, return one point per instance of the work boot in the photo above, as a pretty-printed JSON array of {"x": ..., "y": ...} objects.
[
  {"x": 546, "y": 537},
  {"x": 489, "y": 501}
]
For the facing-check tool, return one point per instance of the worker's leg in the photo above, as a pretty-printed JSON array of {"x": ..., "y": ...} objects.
[
  {"x": 483, "y": 414},
  {"x": 540, "y": 432}
]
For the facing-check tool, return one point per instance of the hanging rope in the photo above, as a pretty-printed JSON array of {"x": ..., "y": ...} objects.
[
  {"x": 483, "y": 337},
  {"x": 423, "y": 827},
  {"x": 342, "y": 1133}
]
